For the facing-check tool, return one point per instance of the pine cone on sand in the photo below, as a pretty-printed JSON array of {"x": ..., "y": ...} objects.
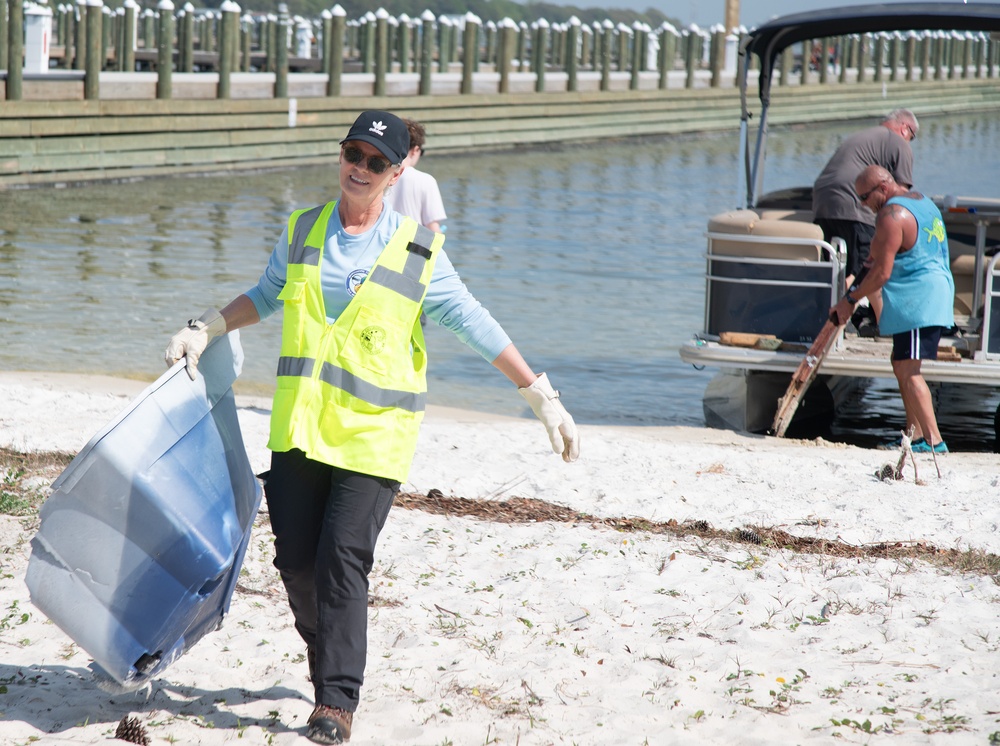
[{"x": 132, "y": 730}]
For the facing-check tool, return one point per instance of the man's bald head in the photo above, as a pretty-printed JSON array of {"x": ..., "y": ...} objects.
[{"x": 871, "y": 177}]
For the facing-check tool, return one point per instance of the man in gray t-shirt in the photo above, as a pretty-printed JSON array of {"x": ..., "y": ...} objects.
[{"x": 836, "y": 208}]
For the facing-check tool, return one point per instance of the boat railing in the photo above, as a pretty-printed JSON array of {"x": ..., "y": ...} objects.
[
  {"x": 770, "y": 276},
  {"x": 990, "y": 348},
  {"x": 973, "y": 226}
]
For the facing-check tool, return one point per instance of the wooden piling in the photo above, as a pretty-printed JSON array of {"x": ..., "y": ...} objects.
[
  {"x": 572, "y": 36},
  {"x": 878, "y": 57},
  {"x": 229, "y": 18},
  {"x": 245, "y": 34},
  {"x": 717, "y": 58},
  {"x": 129, "y": 35},
  {"x": 165, "y": 49},
  {"x": 606, "y": 30},
  {"x": 785, "y": 67},
  {"x": 444, "y": 42},
  {"x": 405, "y": 37},
  {"x": 381, "y": 29},
  {"x": 368, "y": 34},
  {"x": 490, "y": 52},
  {"x": 68, "y": 36},
  {"x": 338, "y": 27},
  {"x": 426, "y": 52},
  {"x": 635, "y": 63},
  {"x": 690, "y": 56},
  {"x": 505, "y": 53},
  {"x": 95, "y": 50},
  {"x": 15, "y": 50},
  {"x": 540, "y": 53},
  {"x": 185, "y": 39},
  {"x": 281, "y": 53},
  {"x": 4, "y": 34},
  {"x": 470, "y": 51}
]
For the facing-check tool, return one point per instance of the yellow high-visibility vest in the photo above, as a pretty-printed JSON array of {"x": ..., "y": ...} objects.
[{"x": 352, "y": 394}]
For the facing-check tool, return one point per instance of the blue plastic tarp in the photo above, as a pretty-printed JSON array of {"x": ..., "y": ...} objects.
[{"x": 142, "y": 539}]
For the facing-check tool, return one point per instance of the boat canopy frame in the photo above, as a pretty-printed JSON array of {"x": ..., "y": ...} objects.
[{"x": 769, "y": 40}]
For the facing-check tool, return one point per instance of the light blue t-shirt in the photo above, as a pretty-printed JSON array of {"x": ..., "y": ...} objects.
[
  {"x": 920, "y": 291},
  {"x": 347, "y": 260}
]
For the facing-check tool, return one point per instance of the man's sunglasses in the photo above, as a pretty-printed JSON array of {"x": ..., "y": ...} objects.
[
  {"x": 864, "y": 197},
  {"x": 376, "y": 163}
]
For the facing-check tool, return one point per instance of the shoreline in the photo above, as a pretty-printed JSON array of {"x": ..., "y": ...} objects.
[
  {"x": 128, "y": 388},
  {"x": 97, "y": 384},
  {"x": 106, "y": 385}
]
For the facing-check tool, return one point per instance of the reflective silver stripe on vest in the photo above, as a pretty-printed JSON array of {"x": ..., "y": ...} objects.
[
  {"x": 341, "y": 379},
  {"x": 295, "y": 366},
  {"x": 345, "y": 381},
  {"x": 397, "y": 282},
  {"x": 298, "y": 252},
  {"x": 424, "y": 236},
  {"x": 407, "y": 283}
]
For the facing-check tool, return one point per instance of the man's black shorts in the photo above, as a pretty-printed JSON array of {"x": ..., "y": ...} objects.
[{"x": 917, "y": 344}]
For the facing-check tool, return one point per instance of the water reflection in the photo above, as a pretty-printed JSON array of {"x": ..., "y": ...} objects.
[{"x": 589, "y": 254}]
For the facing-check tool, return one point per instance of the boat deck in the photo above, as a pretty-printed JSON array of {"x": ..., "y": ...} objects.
[{"x": 851, "y": 356}]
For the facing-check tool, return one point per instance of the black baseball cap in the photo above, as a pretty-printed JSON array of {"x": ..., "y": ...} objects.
[{"x": 385, "y": 131}]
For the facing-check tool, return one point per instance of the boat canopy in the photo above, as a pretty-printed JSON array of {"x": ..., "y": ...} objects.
[{"x": 769, "y": 40}]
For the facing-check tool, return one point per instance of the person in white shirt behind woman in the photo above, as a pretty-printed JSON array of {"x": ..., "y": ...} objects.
[{"x": 416, "y": 193}]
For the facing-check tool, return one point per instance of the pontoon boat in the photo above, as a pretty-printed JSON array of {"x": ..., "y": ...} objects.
[{"x": 771, "y": 278}]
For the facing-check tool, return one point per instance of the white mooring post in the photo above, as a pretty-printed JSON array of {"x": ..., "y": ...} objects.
[
  {"x": 37, "y": 36},
  {"x": 303, "y": 37}
]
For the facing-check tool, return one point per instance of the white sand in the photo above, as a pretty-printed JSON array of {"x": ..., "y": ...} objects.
[{"x": 555, "y": 633}]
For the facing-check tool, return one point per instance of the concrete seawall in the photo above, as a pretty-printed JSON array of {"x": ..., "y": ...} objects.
[{"x": 76, "y": 141}]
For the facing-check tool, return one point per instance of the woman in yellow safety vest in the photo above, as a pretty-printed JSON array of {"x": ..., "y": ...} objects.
[{"x": 352, "y": 277}]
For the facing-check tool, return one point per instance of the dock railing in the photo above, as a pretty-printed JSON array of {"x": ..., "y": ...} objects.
[{"x": 96, "y": 52}]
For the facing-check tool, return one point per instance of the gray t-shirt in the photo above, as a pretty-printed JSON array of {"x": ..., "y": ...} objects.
[{"x": 833, "y": 193}]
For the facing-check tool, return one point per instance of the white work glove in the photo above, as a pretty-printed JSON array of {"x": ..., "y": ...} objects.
[
  {"x": 192, "y": 340},
  {"x": 544, "y": 401}
]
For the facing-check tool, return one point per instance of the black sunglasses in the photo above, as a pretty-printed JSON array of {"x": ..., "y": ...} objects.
[
  {"x": 864, "y": 197},
  {"x": 376, "y": 163}
]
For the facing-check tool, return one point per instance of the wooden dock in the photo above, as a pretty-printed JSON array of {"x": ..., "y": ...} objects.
[{"x": 75, "y": 141}]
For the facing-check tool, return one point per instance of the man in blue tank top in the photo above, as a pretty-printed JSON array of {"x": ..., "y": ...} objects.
[{"x": 909, "y": 263}]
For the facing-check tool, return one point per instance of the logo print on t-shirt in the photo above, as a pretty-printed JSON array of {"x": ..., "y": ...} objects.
[
  {"x": 355, "y": 280},
  {"x": 936, "y": 231}
]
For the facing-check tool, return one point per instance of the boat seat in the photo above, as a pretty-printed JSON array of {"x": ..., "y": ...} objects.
[
  {"x": 963, "y": 269},
  {"x": 751, "y": 223},
  {"x": 801, "y": 216}
]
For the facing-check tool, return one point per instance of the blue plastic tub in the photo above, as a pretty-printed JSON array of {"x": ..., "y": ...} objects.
[{"x": 143, "y": 537}]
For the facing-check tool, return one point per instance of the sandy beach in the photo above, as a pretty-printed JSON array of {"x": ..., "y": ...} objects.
[{"x": 674, "y": 586}]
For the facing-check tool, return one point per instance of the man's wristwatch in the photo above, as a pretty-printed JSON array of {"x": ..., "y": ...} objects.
[{"x": 849, "y": 299}]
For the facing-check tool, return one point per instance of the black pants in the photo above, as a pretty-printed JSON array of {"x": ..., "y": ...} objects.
[
  {"x": 326, "y": 522},
  {"x": 857, "y": 236}
]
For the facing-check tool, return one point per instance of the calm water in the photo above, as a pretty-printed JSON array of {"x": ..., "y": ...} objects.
[{"x": 589, "y": 255}]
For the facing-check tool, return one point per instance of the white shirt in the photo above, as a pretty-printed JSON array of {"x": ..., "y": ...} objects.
[{"x": 417, "y": 196}]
